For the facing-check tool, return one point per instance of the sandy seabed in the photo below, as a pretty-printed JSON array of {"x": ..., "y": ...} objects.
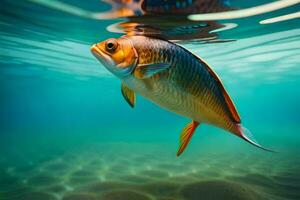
[{"x": 136, "y": 171}]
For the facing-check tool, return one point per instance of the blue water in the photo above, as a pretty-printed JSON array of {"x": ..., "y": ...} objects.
[{"x": 67, "y": 133}]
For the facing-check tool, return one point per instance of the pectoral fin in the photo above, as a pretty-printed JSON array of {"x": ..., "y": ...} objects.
[
  {"x": 128, "y": 94},
  {"x": 186, "y": 136},
  {"x": 148, "y": 70}
]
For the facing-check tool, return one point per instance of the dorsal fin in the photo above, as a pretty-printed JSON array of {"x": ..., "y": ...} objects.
[{"x": 229, "y": 102}]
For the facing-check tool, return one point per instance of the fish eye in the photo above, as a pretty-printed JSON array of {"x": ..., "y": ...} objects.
[{"x": 111, "y": 45}]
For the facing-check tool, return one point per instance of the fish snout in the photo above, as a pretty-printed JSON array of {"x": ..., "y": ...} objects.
[
  {"x": 95, "y": 49},
  {"x": 99, "y": 52}
]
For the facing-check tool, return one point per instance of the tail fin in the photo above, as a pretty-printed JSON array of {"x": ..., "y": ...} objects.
[{"x": 245, "y": 134}]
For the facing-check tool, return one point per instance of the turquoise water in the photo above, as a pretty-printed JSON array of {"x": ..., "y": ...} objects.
[{"x": 67, "y": 133}]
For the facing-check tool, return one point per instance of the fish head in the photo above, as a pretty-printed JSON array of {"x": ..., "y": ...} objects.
[{"x": 117, "y": 55}]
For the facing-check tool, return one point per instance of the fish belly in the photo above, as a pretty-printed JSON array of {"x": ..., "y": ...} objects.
[{"x": 172, "y": 98}]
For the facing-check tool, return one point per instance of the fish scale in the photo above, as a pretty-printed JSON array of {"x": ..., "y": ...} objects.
[{"x": 186, "y": 79}]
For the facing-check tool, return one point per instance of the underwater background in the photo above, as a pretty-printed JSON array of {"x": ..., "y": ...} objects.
[{"x": 67, "y": 133}]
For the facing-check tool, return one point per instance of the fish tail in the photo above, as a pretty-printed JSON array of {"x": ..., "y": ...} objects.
[{"x": 246, "y": 135}]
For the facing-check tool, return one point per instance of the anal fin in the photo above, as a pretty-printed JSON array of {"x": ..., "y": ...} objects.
[{"x": 186, "y": 136}]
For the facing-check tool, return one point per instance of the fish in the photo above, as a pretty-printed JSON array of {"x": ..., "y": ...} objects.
[{"x": 175, "y": 79}]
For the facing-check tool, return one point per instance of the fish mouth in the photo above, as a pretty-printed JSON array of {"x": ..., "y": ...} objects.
[
  {"x": 104, "y": 58},
  {"x": 97, "y": 51}
]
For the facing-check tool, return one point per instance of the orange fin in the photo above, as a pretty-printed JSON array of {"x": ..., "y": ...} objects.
[
  {"x": 186, "y": 136},
  {"x": 128, "y": 95}
]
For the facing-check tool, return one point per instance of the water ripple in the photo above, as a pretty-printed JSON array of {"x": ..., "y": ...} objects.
[{"x": 56, "y": 35}]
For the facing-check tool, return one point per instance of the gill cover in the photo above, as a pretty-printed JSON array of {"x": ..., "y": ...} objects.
[{"x": 129, "y": 57}]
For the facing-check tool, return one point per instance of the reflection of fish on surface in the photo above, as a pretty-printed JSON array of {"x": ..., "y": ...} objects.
[
  {"x": 127, "y": 8},
  {"x": 173, "y": 78},
  {"x": 184, "y": 6},
  {"x": 122, "y": 8},
  {"x": 178, "y": 29},
  {"x": 167, "y": 19}
]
